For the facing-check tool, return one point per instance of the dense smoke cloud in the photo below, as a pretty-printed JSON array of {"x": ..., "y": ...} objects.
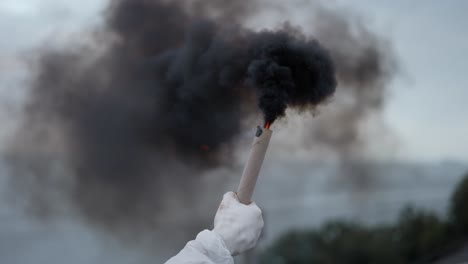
[{"x": 119, "y": 125}]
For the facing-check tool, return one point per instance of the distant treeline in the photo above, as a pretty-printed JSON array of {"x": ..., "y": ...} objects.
[{"x": 418, "y": 236}]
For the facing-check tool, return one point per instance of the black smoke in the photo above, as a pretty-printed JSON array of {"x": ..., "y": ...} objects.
[
  {"x": 120, "y": 122},
  {"x": 159, "y": 94},
  {"x": 289, "y": 72}
]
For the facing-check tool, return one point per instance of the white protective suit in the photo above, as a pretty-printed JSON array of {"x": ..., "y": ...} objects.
[{"x": 237, "y": 228}]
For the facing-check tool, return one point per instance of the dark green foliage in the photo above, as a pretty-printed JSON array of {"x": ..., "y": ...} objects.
[
  {"x": 420, "y": 235},
  {"x": 459, "y": 208}
]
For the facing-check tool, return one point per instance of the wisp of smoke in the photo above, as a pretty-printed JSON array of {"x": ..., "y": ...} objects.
[{"x": 365, "y": 65}]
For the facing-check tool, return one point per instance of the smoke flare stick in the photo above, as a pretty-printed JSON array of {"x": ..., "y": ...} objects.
[{"x": 254, "y": 164}]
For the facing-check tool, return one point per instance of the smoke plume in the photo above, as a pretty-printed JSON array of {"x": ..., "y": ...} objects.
[
  {"x": 119, "y": 122},
  {"x": 288, "y": 72}
]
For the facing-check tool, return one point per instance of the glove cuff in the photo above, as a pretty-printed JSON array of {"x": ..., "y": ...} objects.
[{"x": 214, "y": 247}]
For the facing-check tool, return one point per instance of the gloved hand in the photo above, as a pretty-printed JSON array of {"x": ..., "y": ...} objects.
[{"x": 238, "y": 225}]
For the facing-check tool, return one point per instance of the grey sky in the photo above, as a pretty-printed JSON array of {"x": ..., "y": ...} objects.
[{"x": 426, "y": 109}]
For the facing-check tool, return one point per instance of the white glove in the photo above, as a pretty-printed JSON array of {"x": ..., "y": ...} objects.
[{"x": 238, "y": 225}]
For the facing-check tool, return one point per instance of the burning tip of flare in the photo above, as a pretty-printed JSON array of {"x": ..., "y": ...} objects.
[{"x": 267, "y": 125}]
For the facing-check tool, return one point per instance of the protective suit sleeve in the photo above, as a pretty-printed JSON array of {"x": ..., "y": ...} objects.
[
  {"x": 207, "y": 248},
  {"x": 237, "y": 228}
]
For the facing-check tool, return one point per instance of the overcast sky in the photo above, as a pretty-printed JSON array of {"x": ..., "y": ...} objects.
[{"x": 427, "y": 109}]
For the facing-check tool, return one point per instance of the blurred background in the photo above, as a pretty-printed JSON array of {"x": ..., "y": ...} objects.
[{"x": 376, "y": 175}]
